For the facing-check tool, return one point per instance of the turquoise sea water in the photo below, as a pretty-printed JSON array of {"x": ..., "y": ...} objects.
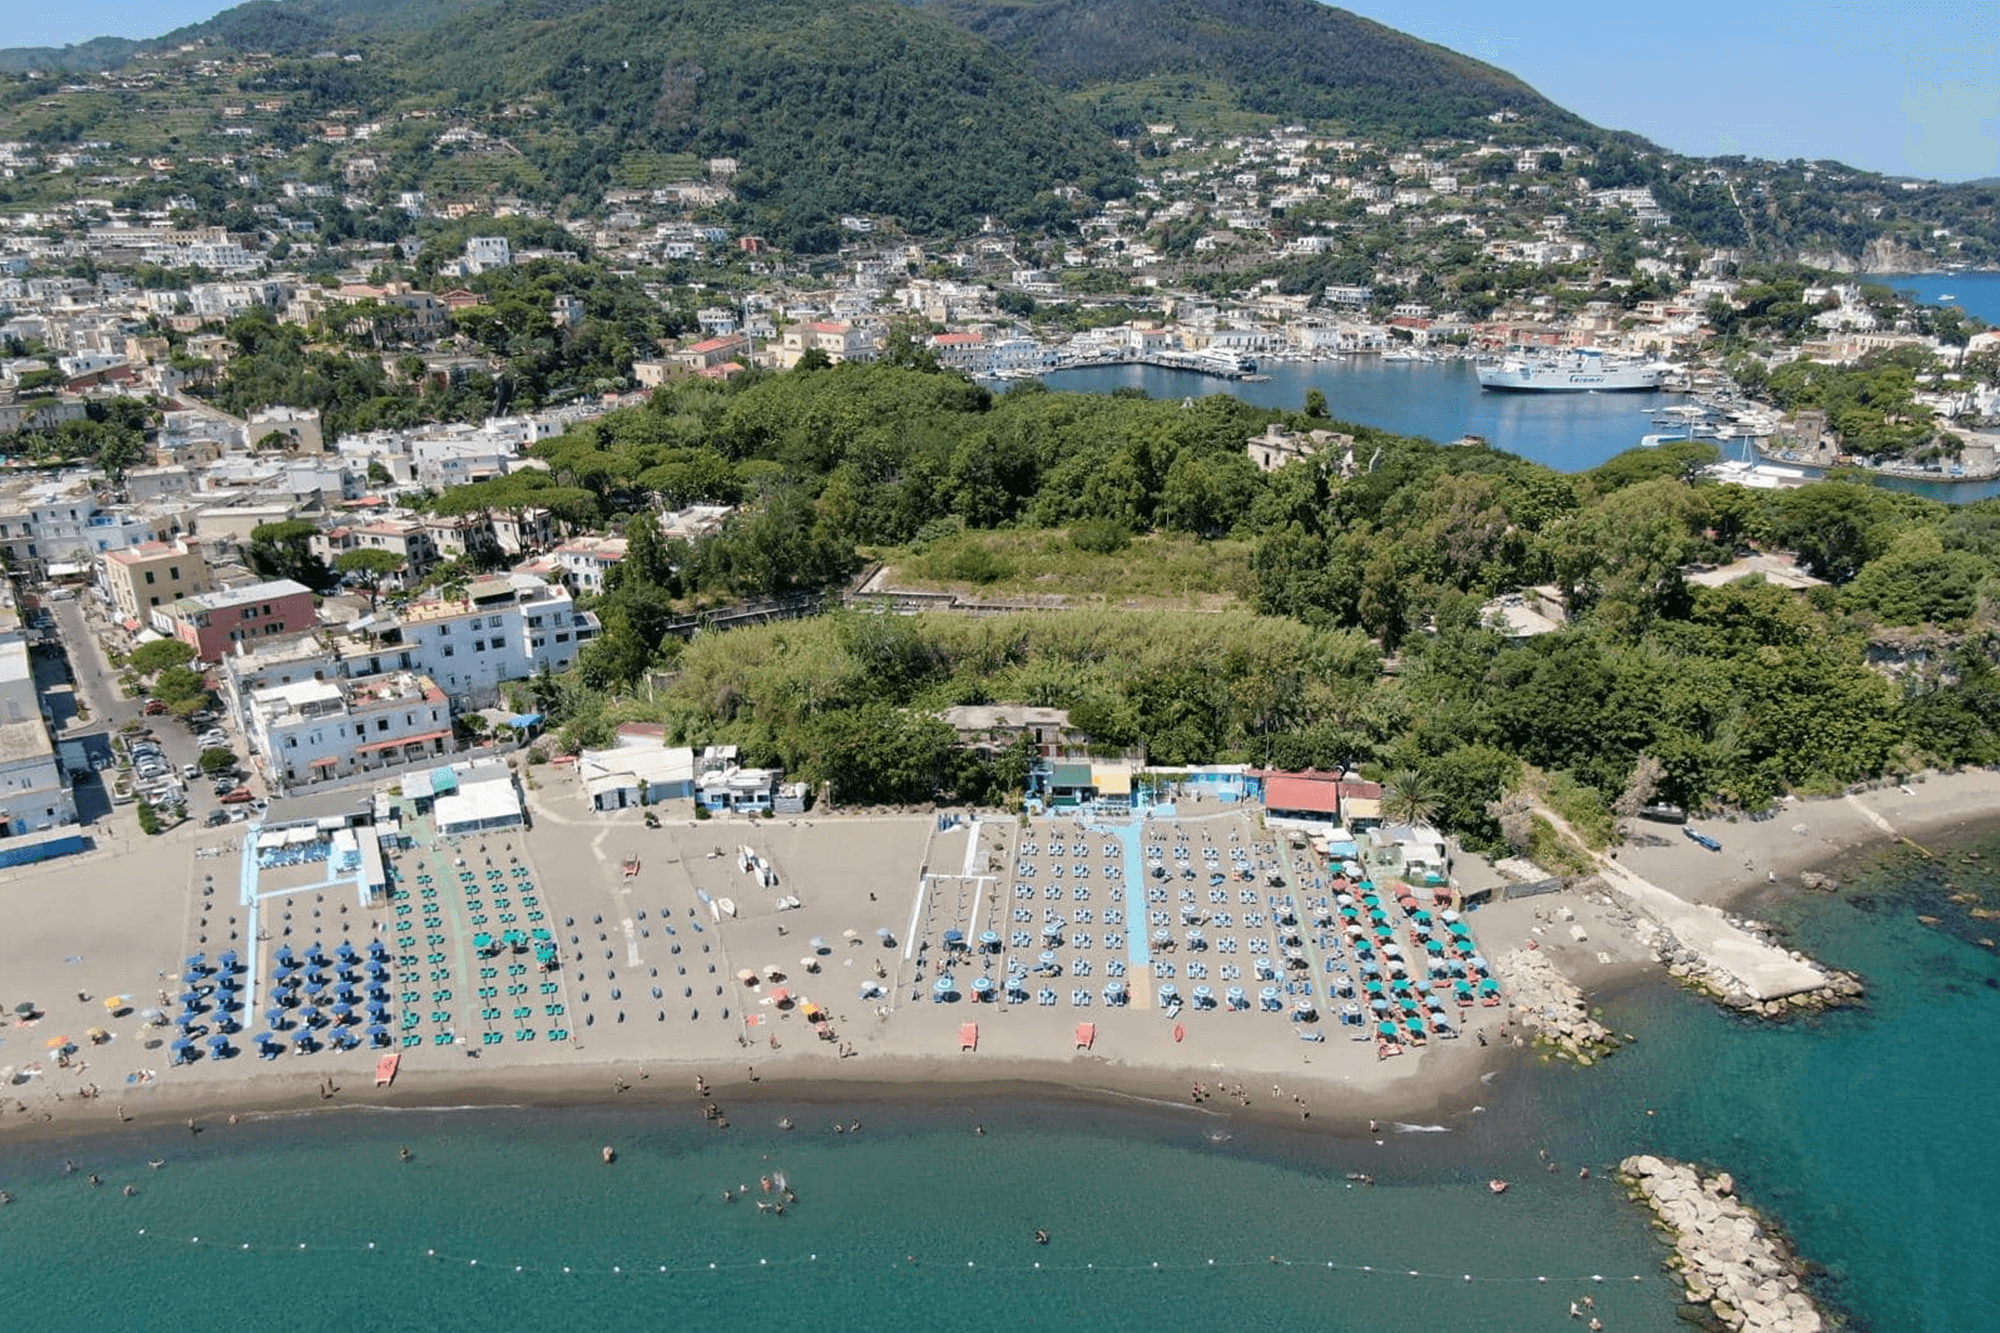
[{"x": 1866, "y": 1132}]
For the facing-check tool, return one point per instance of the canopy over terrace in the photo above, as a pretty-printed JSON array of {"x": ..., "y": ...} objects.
[{"x": 478, "y": 806}]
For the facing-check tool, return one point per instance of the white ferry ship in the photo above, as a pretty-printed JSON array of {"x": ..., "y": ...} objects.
[{"x": 1582, "y": 370}]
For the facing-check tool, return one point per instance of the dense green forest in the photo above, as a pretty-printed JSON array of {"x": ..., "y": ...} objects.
[
  {"x": 850, "y": 106},
  {"x": 1737, "y": 694},
  {"x": 1329, "y": 65}
]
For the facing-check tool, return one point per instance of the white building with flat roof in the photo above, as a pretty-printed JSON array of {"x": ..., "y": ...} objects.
[
  {"x": 34, "y": 794},
  {"x": 314, "y": 731}
]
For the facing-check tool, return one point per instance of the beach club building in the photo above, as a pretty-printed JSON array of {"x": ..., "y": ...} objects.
[
  {"x": 1320, "y": 802},
  {"x": 479, "y": 797},
  {"x": 1081, "y": 780},
  {"x": 641, "y": 769}
]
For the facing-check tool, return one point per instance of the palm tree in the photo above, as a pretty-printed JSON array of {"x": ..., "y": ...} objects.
[{"x": 1408, "y": 799}]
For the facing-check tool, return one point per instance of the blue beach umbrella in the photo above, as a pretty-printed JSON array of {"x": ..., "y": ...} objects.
[
  {"x": 982, "y": 985},
  {"x": 1048, "y": 958},
  {"x": 187, "y": 1021},
  {"x": 343, "y": 1012},
  {"x": 1379, "y": 1005},
  {"x": 989, "y": 939},
  {"x": 197, "y": 962},
  {"x": 1386, "y": 1028},
  {"x": 275, "y": 1016},
  {"x": 229, "y": 960},
  {"x": 218, "y": 1044}
]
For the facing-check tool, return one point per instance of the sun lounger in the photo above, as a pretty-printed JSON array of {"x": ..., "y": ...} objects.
[
  {"x": 1086, "y": 1036},
  {"x": 968, "y": 1036}
]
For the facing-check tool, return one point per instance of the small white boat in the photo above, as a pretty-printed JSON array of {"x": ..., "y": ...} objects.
[{"x": 725, "y": 907}]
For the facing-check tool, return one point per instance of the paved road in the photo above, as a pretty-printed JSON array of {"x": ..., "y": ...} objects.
[{"x": 109, "y": 711}]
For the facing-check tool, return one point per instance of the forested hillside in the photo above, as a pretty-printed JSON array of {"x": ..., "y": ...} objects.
[
  {"x": 830, "y": 106},
  {"x": 1734, "y": 694},
  {"x": 1288, "y": 58}
]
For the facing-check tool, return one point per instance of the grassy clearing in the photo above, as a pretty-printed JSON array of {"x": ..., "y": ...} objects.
[{"x": 1154, "y": 571}]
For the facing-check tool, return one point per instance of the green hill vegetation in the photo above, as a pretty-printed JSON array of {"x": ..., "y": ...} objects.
[
  {"x": 1735, "y": 694},
  {"x": 1288, "y": 59},
  {"x": 831, "y": 107}
]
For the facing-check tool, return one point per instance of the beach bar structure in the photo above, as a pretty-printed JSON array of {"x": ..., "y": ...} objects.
[{"x": 484, "y": 801}]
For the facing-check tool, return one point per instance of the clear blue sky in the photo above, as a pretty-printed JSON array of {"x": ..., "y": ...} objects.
[
  {"x": 1903, "y": 86},
  {"x": 1907, "y": 86}
]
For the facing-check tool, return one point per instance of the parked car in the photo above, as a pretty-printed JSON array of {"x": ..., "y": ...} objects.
[
  {"x": 238, "y": 796},
  {"x": 190, "y": 771},
  {"x": 213, "y": 740},
  {"x": 216, "y": 818},
  {"x": 153, "y": 708}
]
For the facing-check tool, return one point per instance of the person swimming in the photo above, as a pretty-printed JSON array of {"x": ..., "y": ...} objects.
[
  {"x": 1041, "y": 1236},
  {"x": 403, "y": 1154}
]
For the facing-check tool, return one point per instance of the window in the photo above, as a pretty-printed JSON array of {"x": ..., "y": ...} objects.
[
  {"x": 444, "y": 631},
  {"x": 149, "y": 576},
  {"x": 291, "y": 742},
  {"x": 447, "y": 650},
  {"x": 562, "y": 638},
  {"x": 381, "y": 724},
  {"x": 153, "y": 601},
  {"x": 173, "y": 572},
  {"x": 479, "y": 645}
]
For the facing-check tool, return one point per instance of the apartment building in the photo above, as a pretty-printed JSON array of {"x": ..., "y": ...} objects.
[
  {"x": 314, "y": 731},
  {"x": 141, "y": 579},
  {"x": 217, "y": 623}
]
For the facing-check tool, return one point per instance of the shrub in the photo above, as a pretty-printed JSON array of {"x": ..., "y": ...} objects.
[{"x": 1101, "y": 536}]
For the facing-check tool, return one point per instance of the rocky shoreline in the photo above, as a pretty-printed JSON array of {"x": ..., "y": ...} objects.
[
  {"x": 1548, "y": 1006},
  {"x": 1737, "y": 1272},
  {"x": 1698, "y": 974}
]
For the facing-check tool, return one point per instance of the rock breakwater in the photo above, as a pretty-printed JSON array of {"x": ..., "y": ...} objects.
[
  {"x": 1737, "y": 1272},
  {"x": 1553, "y": 1010}
]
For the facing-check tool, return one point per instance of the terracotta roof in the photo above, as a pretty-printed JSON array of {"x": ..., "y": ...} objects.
[{"x": 1300, "y": 792}]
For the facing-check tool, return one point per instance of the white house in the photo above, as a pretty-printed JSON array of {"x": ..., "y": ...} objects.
[{"x": 319, "y": 730}]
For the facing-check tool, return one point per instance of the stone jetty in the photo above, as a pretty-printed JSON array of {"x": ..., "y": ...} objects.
[
  {"x": 1698, "y": 973},
  {"x": 1744, "y": 968},
  {"x": 1737, "y": 1273},
  {"x": 1552, "y": 1009}
]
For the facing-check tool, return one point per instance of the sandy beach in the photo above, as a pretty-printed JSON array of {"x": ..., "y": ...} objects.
[{"x": 650, "y": 991}]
